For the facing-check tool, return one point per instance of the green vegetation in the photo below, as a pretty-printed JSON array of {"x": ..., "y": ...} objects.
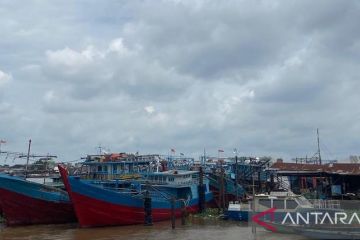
[{"x": 209, "y": 213}]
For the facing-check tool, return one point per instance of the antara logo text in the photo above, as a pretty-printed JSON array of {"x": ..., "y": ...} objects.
[{"x": 306, "y": 218}]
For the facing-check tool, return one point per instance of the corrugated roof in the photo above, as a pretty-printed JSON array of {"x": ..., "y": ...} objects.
[{"x": 335, "y": 168}]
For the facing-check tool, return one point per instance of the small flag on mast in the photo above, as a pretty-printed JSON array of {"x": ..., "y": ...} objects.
[
  {"x": 173, "y": 150},
  {"x": 220, "y": 150},
  {"x": 2, "y": 141},
  {"x": 181, "y": 154}
]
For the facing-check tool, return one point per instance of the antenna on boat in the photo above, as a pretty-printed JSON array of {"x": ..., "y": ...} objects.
[{"x": 318, "y": 143}]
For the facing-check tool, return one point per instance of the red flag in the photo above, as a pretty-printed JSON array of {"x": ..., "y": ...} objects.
[
  {"x": 2, "y": 141},
  {"x": 220, "y": 150},
  {"x": 173, "y": 150}
]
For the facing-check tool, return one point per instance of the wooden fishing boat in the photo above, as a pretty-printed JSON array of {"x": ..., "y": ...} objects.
[
  {"x": 121, "y": 202},
  {"x": 24, "y": 202}
]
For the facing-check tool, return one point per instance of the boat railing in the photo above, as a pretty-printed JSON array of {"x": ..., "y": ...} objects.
[
  {"x": 168, "y": 197},
  {"x": 159, "y": 182},
  {"x": 106, "y": 176},
  {"x": 325, "y": 204}
]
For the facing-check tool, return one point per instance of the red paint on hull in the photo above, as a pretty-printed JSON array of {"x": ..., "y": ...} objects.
[
  {"x": 19, "y": 209},
  {"x": 94, "y": 213}
]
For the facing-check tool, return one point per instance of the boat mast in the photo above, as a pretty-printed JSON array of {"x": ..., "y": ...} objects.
[
  {"x": 236, "y": 174},
  {"x": 318, "y": 142},
  {"x": 1, "y": 142},
  {"x": 204, "y": 160},
  {"x": 27, "y": 159},
  {"x": 100, "y": 149}
]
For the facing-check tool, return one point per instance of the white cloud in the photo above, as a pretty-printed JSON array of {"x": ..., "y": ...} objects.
[
  {"x": 149, "y": 109},
  {"x": 71, "y": 58},
  {"x": 117, "y": 45},
  {"x": 4, "y": 78}
]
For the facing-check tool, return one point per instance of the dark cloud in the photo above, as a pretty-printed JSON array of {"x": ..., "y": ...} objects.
[{"x": 148, "y": 76}]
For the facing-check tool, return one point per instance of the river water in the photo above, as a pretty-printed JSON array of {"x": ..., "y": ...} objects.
[{"x": 199, "y": 229}]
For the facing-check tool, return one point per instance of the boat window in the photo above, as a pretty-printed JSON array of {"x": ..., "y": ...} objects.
[
  {"x": 99, "y": 168},
  {"x": 291, "y": 204},
  {"x": 278, "y": 204},
  {"x": 265, "y": 202}
]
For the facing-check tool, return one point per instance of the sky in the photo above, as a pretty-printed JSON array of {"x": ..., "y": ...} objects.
[{"x": 148, "y": 76}]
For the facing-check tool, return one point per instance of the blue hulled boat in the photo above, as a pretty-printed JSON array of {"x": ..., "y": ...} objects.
[
  {"x": 25, "y": 202},
  {"x": 114, "y": 192}
]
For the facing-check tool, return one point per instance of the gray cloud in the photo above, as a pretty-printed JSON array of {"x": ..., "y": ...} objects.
[{"x": 143, "y": 75}]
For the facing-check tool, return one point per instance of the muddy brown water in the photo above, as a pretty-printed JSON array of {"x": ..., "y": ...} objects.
[{"x": 199, "y": 229}]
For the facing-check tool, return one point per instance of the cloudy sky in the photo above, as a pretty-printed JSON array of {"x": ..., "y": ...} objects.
[{"x": 147, "y": 76}]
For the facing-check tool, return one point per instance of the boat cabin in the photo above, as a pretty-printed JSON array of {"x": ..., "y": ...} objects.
[
  {"x": 281, "y": 201},
  {"x": 172, "y": 177},
  {"x": 119, "y": 166}
]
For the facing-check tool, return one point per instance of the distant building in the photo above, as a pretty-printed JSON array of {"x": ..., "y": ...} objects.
[{"x": 327, "y": 180}]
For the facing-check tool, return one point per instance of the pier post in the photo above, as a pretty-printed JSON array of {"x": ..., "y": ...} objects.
[
  {"x": 222, "y": 189},
  {"x": 259, "y": 180},
  {"x": 147, "y": 209},
  {"x": 183, "y": 213},
  {"x": 236, "y": 176},
  {"x": 201, "y": 191},
  {"x": 173, "y": 212}
]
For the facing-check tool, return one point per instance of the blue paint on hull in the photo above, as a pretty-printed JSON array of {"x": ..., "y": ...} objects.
[
  {"x": 130, "y": 198},
  {"x": 32, "y": 189},
  {"x": 242, "y": 215}
]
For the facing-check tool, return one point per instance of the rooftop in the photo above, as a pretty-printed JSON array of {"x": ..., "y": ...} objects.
[{"x": 330, "y": 168}]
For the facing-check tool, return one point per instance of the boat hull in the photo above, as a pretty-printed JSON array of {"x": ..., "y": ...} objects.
[
  {"x": 25, "y": 203},
  {"x": 328, "y": 233},
  {"x": 92, "y": 212},
  {"x": 20, "y": 209},
  {"x": 96, "y": 206},
  {"x": 242, "y": 215}
]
